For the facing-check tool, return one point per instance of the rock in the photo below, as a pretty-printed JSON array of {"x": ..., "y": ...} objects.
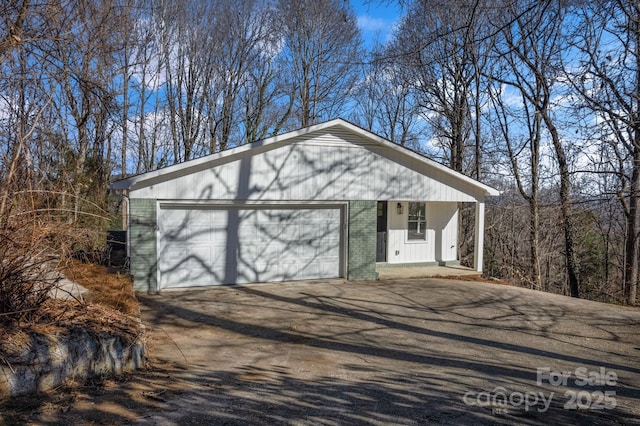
[{"x": 50, "y": 361}]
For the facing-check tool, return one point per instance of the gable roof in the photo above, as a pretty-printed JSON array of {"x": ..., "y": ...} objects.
[{"x": 202, "y": 162}]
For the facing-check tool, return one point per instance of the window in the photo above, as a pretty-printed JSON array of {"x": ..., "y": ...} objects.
[{"x": 417, "y": 222}]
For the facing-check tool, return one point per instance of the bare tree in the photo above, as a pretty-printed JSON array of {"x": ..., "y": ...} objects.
[
  {"x": 607, "y": 40},
  {"x": 84, "y": 68},
  {"x": 527, "y": 180},
  {"x": 443, "y": 48},
  {"x": 14, "y": 14},
  {"x": 132, "y": 16},
  {"x": 532, "y": 51},
  {"x": 267, "y": 105},
  {"x": 185, "y": 30},
  {"x": 144, "y": 107},
  {"x": 385, "y": 102},
  {"x": 247, "y": 39},
  {"x": 320, "y": 55},
  {"x": 24, "y": 96}
]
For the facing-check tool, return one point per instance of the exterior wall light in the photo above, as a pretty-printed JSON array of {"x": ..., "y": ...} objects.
[{"x": 399, "y": 208}]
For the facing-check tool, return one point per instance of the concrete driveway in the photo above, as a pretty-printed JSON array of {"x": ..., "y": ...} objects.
[{"x": 390, "y": 352}]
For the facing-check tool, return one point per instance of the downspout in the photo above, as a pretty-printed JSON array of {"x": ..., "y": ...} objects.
[{"x": 126, "y": 223}]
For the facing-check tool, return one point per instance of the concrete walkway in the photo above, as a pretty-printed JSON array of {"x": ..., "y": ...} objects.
[{"x": 388, "y": 271}]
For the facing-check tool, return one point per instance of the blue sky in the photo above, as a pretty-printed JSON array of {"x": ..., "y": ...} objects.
[{"x": 376, "y": 19}]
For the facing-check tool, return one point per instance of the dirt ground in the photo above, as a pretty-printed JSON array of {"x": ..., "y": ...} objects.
[{"x": 412, "y": 351}]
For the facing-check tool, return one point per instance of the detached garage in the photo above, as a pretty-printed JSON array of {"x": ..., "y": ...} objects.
[{"x": 327, "y": 201}]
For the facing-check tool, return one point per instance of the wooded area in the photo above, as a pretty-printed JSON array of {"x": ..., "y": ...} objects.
[{"x": 540, "y": 99}]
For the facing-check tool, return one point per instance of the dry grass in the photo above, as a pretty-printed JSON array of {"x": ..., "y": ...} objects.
[
  {"x": 105, "y": 287},
  {"x": 111, "y": 307}
]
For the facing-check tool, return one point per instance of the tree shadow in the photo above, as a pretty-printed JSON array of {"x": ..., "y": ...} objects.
[{"x": 386, "y": 361}]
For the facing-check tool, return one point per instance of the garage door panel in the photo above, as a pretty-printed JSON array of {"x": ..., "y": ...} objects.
[
  {"x": 200, "y": 234},
  {"x": 311, "y": 268},
  {"x": 176, "y": 234},
  {"x": 201, "y": 255},
  {"x": 198, "y": 247},
  {"x": 174, "y": 263},
  {"x": 325, "y": 250},
  {"x": 288, "y": 232},
  {"x": 219, "y": 237},
  {"x": 251, "y": 253},
  {"x": 185, "y": 267},
  {"x": 261, "y": 267},
  {"x": 269, "y": 229},
  {"x": 308, "y": 250},
  {"x": 326, "y": 265},
  {"x": 289, "y": 270}
]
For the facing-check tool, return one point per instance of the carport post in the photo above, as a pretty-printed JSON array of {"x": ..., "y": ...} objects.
[{"x": 479, "y": 240}]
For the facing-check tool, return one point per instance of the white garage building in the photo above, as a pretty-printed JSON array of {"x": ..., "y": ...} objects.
[{"x": 327, "y": 201}]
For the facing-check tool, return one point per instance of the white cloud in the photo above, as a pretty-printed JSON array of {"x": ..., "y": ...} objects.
[{"x": 369, "y": 23}]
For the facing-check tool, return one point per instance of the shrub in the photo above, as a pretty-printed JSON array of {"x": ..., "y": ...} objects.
[
  {"x": 26, "y": 271},
  {"x": 34, "y": 241}
]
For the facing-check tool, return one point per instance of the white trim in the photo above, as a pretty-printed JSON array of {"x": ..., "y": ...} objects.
[
  {"x": 128, "y": 233},
  {"x": 407, "y": 240},
  {"x": 342, "y": 206},
  {"x": 200, "y": 163},
  {"x": 344, "y": 241},
  {"x": 479, "y": 238},
  {"x": 279, "y": 204},
  {"x": 157, "y": 237}
]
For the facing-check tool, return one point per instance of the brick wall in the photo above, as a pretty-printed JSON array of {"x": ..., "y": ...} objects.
[
  {"x": 362, "y": 241},
  {"x": 142, "y": 242}
]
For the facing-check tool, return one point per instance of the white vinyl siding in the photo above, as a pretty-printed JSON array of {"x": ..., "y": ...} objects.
[
  {"x": 441, "y": 234},
  {"x": 330, "y": 165}
]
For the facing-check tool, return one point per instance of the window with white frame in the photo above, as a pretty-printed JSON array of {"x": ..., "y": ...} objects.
[{"x": 417, "y": 222}]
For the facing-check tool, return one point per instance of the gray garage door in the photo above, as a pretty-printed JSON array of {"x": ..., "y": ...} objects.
[{"x": 211, "y": 246}]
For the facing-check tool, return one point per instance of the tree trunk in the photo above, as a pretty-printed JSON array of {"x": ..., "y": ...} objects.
[
  {"x": 125, "y": 110},
  {"x": 534, "y": 205},
  {"x": 534, "y": 222},
  {"x": 478, "y": 130},
  {"x": 565, "y": 206},
  {"x": 632, "y": 247}
]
